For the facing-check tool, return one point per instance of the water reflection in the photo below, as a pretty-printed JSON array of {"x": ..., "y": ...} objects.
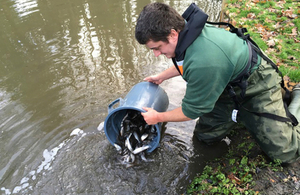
[
  {"x": 25, "y": 7},
  {"x": 62, "y": 63}
]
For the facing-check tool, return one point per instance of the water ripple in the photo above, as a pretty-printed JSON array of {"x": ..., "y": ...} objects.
[{"x": 25, "y": 7}]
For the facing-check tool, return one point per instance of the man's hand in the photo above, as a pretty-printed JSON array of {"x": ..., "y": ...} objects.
[
  {"x": 153, "y": 117},
  {"x": 154, "y": 79},
  {"x": 159, "y": 78},
  {"x": 150, "y": 116}
]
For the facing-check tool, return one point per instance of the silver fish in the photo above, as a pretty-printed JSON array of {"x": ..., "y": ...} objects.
[
  {"x": 137, "y": 137},
  {"x": 140, "y": 149},
  {"x": 126, "y": 158},
  {"x": 119, "y": 148},
  {"x": 122, "y": 125},
  {"x": 144, "y": 136},
  {"x": 143, "y": 157},
  {"x": 132, "y": 158},
  {"x": 122, "y": 131},
  {"x": 128, "y": 144}
]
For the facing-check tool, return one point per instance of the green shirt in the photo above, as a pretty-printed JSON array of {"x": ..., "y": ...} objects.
[{"x": 214, "y": 59}]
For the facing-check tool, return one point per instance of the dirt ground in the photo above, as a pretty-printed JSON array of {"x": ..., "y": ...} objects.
[{"x": 286, "y": 181}]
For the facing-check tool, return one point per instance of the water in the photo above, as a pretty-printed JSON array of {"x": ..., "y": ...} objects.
[{"x": 62, "y": 63}]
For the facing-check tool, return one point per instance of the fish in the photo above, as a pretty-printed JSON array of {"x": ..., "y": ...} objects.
[
  {"x": 140, "y": 149},
  {"x": 128, "y": 144},
  {"x": 122, "y": 131},
  {"x": 135, "y": 137},
  {"x": 132, "y": 157},
  {"x": 119, "y": 148},
  {"x": 144, "y": 136},
  {"x": 143, "y": 157},
  {"x": 122, "y": 126}
]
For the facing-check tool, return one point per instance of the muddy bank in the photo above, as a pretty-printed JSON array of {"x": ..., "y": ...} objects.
[{"x": 285, "y": 181}]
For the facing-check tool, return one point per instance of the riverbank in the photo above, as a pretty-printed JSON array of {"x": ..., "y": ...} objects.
[
  {"x": 274, "y": 26},
  {"x": 245, "y": 169}
]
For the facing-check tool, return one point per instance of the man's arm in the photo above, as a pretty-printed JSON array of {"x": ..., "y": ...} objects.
[
  {"x": 167, "y": 74},
  {"x": 152, "y": 117}
]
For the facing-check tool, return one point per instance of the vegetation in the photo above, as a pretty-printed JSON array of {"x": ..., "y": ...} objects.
[
  {"x": 274, "y": 26},
  {"x": 233, "y": 173}
]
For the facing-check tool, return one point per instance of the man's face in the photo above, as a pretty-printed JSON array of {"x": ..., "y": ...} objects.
[{"x": 167, "y": 49}]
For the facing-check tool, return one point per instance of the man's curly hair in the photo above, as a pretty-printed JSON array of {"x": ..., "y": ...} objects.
[{"x": 156, "y": 21}]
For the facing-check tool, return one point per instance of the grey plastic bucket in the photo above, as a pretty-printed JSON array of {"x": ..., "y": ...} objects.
[{"x": 144, "y": 94}]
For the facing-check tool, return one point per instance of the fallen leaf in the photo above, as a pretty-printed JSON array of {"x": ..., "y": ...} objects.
[
  {"x": 233, "y": 177},
  {"x": 280, "y": 4},
  {"x": 233, "y": 22},
  {"x": 266, "y": 35},
  {"x": 232, "y": 15},
  {"x": 290, "y": 24},
  {"x": 241, "y": 190},
  {"x": 285, "y": 179},
  {"x": 270, "y": 50},
  {"x": 272, "y": 180},
  {"x": 294, "y": 32},
  {"x": 279, "y": 47},
  {"x": 227, "y": 12},
  {"x": 289, "y": 14},
  {"x": 277, "y": 25},
  {"x": 272, "y": 10},
  {"x": 251, "y": 15},
  {"x": 268, "y": 20}
]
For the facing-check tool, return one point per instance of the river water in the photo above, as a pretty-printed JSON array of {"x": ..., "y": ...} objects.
[{"x": 62, "y": 64}]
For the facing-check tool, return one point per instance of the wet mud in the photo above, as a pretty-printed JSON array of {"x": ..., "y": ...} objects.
[{"x": 286, "y": 181}]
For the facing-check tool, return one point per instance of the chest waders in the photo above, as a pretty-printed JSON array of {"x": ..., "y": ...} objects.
[{"x": 241, "y": 79}]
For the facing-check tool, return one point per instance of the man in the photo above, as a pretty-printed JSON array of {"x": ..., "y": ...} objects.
[{"x": 212, "y": 60}]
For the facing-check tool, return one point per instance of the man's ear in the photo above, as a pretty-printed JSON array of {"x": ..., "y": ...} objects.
[
  {"x": 174, "y": 33},
  {"x": 173, "y": 36}
]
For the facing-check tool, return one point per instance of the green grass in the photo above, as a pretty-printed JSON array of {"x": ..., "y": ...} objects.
[{"x": 269, "y": 21}]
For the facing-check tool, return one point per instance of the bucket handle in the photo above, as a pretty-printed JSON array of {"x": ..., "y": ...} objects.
[{"x": 110, "y": 106}]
